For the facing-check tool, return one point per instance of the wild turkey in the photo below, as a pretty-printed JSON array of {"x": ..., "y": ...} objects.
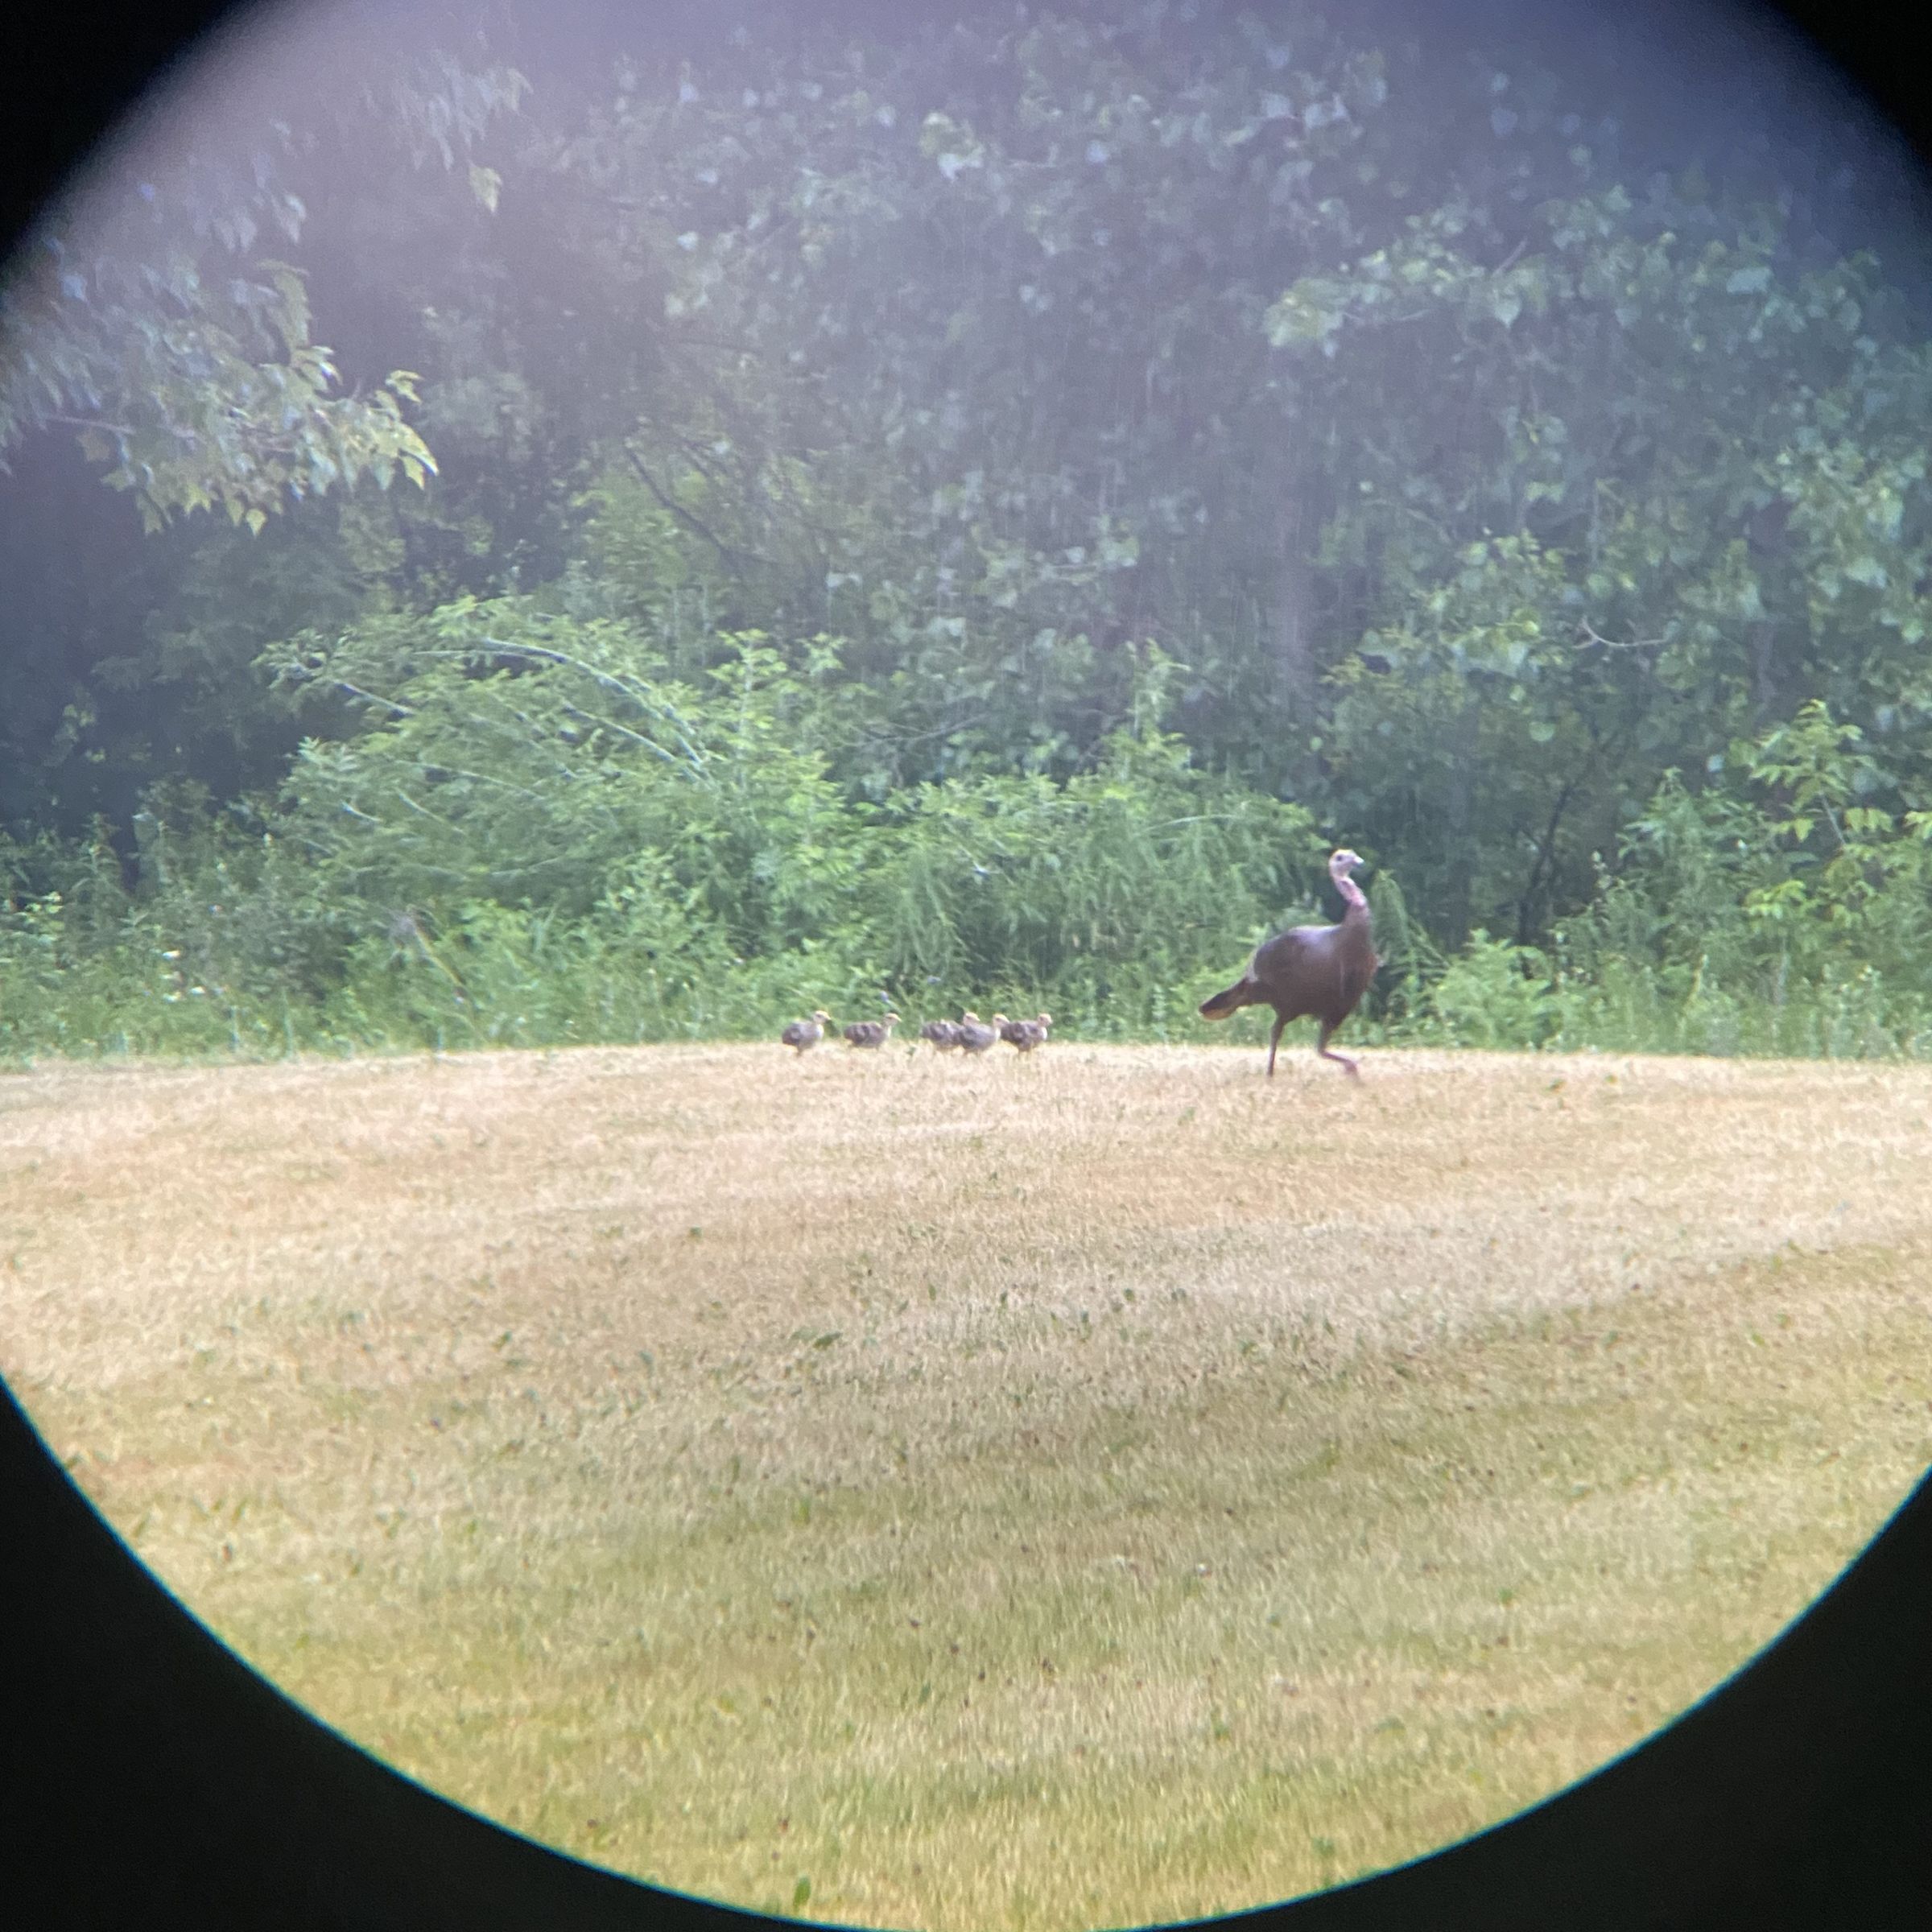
[
  {"x": 943, "y": 1033},
  {"x": 1026, "y": 1035},
  {"x": 871, "y": 1033},
  {"x": 803, "y": 1034},
  {"x": 975, "y": 1036},
  {"x": 1317, "y": 971}
]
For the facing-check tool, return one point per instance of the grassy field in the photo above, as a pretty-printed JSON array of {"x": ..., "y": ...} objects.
[{"x": 1057, "y": 1492}]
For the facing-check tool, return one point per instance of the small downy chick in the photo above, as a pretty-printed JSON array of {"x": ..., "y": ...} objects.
[
  {"x": 802, "y": 1034},
  {"x": 977, "y": 1035}
]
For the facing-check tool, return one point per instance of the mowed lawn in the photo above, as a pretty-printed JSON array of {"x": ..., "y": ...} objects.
[{"x": 1059, "y": 1492}]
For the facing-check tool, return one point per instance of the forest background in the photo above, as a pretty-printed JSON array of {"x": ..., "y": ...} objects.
[{"x": 619, "y": 536}]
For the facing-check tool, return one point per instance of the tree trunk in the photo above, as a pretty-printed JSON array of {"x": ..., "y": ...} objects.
[
  {"x": 1768, "y": 540},
  {"x": 1536, "y": 887},
  {"x": 1459, "y": 799},
  {"x": 1298, "y": 532},
  {"x": 1764, "y": 671}
]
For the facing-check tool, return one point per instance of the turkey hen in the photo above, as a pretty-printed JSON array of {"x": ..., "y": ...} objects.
[{"x": 1319, "y": 971}]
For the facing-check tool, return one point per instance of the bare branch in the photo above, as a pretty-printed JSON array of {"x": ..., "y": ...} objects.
[
  {"x": 1588, "y": 636},
  {"x": 609, "y": 681},
  {"x": 727, "y": 552}
]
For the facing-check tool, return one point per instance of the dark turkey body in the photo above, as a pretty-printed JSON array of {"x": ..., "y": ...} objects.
[{"x": 1318, "y": 973}]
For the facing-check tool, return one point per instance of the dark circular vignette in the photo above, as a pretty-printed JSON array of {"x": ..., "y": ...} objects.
[{"x": 148, "y": 1776}]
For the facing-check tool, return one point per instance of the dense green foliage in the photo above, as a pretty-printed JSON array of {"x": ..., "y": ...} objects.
[{"x": 968, "y": 517}]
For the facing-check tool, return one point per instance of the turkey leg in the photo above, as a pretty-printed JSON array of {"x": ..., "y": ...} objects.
[{"x": 1340, "y": 1059}]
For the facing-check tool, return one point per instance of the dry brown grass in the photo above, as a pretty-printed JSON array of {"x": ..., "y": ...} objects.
[{"x": 1057, "y": 1492}]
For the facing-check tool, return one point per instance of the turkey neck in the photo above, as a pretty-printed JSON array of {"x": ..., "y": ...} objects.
[{"x": 1357, "y": 939}]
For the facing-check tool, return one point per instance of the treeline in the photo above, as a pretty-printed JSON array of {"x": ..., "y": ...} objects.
[
  {"x": 966, "y": 516},
  {"x": 550, "y": 839}
]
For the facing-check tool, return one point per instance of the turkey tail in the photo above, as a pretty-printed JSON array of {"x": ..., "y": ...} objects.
[{"x": 1230, "y": 999}]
